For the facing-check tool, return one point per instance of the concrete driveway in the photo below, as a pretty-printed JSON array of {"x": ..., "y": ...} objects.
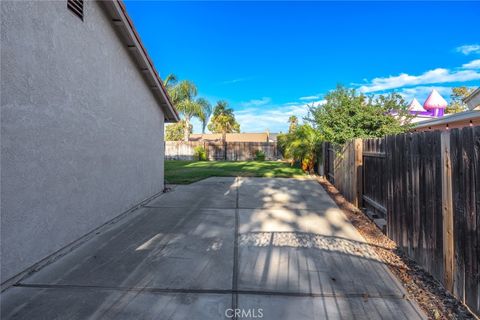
[{"x": 270, "y": 248}]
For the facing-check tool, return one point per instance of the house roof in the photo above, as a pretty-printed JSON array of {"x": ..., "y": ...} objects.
[
  {"x": 231, "y": 137},
  {"x": 247, "y": 137},
  {"x": 117, "y": 11},
  {"x": 473, "y": 115},
  {"x": 205, "y": 137},
  {"x": 473, "y": 100}
]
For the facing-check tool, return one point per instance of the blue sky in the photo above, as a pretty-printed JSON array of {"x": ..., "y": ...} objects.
[{"x": 269, "y": 59}]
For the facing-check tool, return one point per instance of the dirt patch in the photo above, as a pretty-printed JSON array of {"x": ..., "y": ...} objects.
[{"x": 428, "y": 293}]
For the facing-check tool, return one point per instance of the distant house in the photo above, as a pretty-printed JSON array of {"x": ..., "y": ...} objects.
[
  {"x": 82, "y": 122},
  {"x": 232, "y": 137},
  {"x": 456, "y": 120},
  {"x": 272, "y": 137},
  {"x": 205, "y": 137}
]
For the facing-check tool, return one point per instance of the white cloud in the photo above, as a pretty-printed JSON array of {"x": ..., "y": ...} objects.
[
  {"x": 469, "y": 48},
  {"x": 475, "y": 64},
  {"x": 439, "y": 75},
  {"x": 256, "y": 102},
  {"x": 422, "y": 92},
  {"x": 274, "y": 118},
  {"x": 307, "y": 98},
  {"x": 232, "y": 81}
]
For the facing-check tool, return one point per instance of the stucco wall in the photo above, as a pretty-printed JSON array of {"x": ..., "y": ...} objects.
[{"x": 81, "y": 133}]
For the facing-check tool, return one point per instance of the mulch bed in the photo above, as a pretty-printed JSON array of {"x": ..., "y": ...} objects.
[{"x": 428, "y": 293}]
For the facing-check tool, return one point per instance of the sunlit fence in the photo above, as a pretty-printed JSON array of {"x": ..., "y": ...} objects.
[{"x": 231, "y": 151}]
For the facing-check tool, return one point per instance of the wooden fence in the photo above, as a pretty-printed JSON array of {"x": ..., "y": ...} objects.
[
  {"x": 232, "y": 151},
  {"x": 427, "y": 187},
  {"x": 374, "y": 193},
  {"x": 341, "y": 168}
]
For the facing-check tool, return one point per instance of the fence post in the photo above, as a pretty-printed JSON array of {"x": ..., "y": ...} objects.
[
  {"x": 321, "y": 164},
  {"x": 358, "y": 144},
  {"x": 447, "y": 212}
]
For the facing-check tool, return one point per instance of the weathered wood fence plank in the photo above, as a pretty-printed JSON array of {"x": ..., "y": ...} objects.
[
  {"x": 231, "y": 151},
  {"x": 447, "y": 212},
  {"x": 343, "y": 167},
  {"x": 427, "y": 186}
]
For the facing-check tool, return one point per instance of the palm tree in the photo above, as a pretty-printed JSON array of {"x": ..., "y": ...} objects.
[
  {"x": 207, "y": 112},
  {"x": 223, "y": 120},
  {"x": 293, "y": 120},
  {"x": 184, "y": 98},
  {"x": 170, "y": 80},
  {"x": 302, "y": 145},
  {"x": 221, "y": 108}
]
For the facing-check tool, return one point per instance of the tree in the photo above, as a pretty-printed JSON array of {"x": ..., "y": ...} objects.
[
  {"x": 293, "y": 122},
  {"x": 347, "y": 114},
  {"x": 170, "y": 80},
  {"x": 302, "y": 145},
  {"x": 223, "y": 120},
  {"x": 457, "y": 96},
  {"x": 207, "y": 112},
  {"x": 176, "y": 131},
  {"x": 184, "y": 98}
]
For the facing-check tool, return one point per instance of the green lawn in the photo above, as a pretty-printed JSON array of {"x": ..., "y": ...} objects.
[{"x": 184, "y": 172}]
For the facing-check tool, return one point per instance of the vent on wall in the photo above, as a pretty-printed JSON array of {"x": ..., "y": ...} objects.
[{"x": 76, "y": 6}]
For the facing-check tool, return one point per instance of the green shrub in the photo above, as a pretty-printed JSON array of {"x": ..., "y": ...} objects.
[
  {"x": 200, "y": 154},
  {"x": 259, "y": 155}
]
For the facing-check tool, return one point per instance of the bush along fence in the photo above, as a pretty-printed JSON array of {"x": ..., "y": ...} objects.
[
  {"x": 424, "y": 190},
  {"x": 231, "y": 151}
]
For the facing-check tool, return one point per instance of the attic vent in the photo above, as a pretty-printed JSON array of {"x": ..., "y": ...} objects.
[{"x": 76, "y": 6}]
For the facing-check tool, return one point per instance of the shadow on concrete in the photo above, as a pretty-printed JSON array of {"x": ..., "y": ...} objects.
[{"x": 277, "y": 244}]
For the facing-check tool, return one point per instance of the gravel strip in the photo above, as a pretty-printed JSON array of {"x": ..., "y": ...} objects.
[
  {"x": 429, "y": 294},
  {"x": 308, "y": 240}
]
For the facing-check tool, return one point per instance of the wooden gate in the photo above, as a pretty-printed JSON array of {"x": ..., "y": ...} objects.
[
  {"x": 374, "y": 178},
  {"x": 329, "y": 158}
]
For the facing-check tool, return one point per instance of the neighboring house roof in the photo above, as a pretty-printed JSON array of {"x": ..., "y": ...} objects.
[
  {"x": 205, "y": 137},
  {"x": 456, "y": 120},
  {"x": 247, "y": 137},
  {"x": 117, "y": 11},
  {"x": 231, "y": 137},
  {"x": 473, "y": 100}
]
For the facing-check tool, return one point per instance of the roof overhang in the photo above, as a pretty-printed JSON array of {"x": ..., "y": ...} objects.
[
  {"x": 117, "y": 12},
  {"x": 473, "y": 100},
  {"x": 456, "y": 117}
]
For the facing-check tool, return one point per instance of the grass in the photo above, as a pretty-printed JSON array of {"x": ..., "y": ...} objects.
[{"x": 184, "y": 172}]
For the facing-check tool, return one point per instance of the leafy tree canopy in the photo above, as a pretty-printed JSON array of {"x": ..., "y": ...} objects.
[
  {"x": 457, "y": 96},
  {"x": 347, "y": 114},
  {"x": 176, "y": 131}
]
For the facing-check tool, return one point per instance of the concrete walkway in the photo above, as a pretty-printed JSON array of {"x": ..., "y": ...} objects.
[{"x": 273, "y": 248}]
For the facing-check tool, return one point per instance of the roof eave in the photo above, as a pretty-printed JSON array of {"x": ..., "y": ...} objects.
[
  {"x": 120, "y": 18},
  {"x": 470, "y": 97},
  {"x": 466, "y": 115}
]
